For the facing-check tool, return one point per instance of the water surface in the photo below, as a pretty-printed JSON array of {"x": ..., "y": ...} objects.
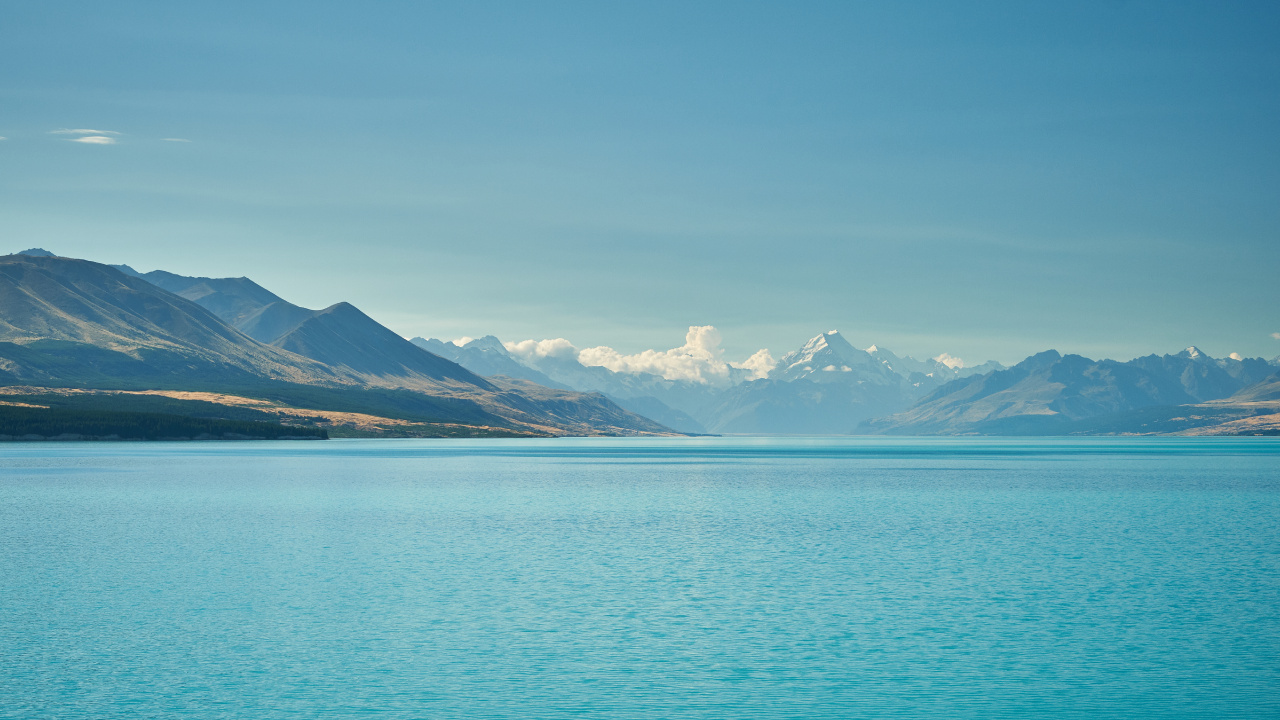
[{"x": 673, "y": 578}]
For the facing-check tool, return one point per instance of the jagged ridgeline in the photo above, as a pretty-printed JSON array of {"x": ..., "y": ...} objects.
[
  {"x": 829, "y": 386},
  {"x": 69, "y": 324},
  {"x": 74, "y": 324},
  {"x": 1054, "y": 394}
]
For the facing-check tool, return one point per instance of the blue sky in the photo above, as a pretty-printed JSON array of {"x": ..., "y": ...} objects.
[{"x": 984, "y": 179}]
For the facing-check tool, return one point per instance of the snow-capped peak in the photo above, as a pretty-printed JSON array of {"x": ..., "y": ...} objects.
[
  {"x": 830, "y": 352},
  {"x": 1194, "y": 353}
]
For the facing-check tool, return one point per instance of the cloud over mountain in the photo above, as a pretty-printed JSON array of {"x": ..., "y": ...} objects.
[
  {"x": 700, "y": 359},
  {"x": 949, "y": 360},
  {"x": 760, "y": 363},
  {"x": 531, "y": 349}
]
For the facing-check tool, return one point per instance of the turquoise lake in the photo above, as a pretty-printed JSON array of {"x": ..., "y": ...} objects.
[{"x": 641, "y": 578}]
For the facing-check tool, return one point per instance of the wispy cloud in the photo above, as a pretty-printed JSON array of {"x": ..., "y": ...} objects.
[
  {"x": 94, "y": 140},
  {"x": 1276, "y": 335},
  {"x": 176, "y": 140},
  {"x": 4, "y": 138},
  {"x": 82, "y": 131}
]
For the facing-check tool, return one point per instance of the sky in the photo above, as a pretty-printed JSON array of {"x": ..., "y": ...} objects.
[{"x": 983, "y": 179}]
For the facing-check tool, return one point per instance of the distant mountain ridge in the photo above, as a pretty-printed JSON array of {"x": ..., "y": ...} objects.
[
  {"x": 829, "y": 386},
  {"x": 826, "y": 387},
  {"x": 1049, "y": 393},
  {"x": 232, "y": 299}
]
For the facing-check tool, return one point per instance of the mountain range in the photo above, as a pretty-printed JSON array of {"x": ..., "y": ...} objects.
[
  {"x": 828, "y": 386},
  {"x": 1050, "y": 393},
  {"x": 73, "y": 323},
  {"x": 67, "y": 323}
]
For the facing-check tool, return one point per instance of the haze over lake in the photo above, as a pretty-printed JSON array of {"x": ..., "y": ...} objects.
[{"x": 641, "y": 578}]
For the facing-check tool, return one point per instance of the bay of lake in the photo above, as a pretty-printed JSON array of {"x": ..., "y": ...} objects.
[{"x": 641, "y": 578}]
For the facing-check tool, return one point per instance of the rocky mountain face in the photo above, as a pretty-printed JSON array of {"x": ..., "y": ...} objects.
[
  {"x": 1204, "y": 377},
  {"x": 69, "y": 322}
]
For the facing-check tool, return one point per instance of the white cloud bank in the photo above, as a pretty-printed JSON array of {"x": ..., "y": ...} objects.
[
  {"x": 760, "y": 363},
  {"x": 700, "y": 359},
  {"x": 538, "y": 349},
  {"x": 94, "y": 140}
]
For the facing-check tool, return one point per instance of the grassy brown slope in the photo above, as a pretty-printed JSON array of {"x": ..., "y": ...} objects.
[{"x": 238, "y": 408}]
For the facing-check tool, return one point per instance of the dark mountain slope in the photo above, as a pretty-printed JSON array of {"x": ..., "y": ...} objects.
[
  {"x": 340, "y": 336},
  {"x": 268, "y": 323},
  {"x": 343, "y": 337},
  {"x": 239, "y": 302},
  {"x": 1203, "y": 377},
  {"x": 231, "y": 299},
  {"x": 63, "y": 308},
  {"x": 1268, "y": 389},
  {"x": 567, "y": 408}
]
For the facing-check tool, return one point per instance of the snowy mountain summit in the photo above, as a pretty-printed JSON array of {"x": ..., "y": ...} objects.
[{"x": 830, "y": 358}]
